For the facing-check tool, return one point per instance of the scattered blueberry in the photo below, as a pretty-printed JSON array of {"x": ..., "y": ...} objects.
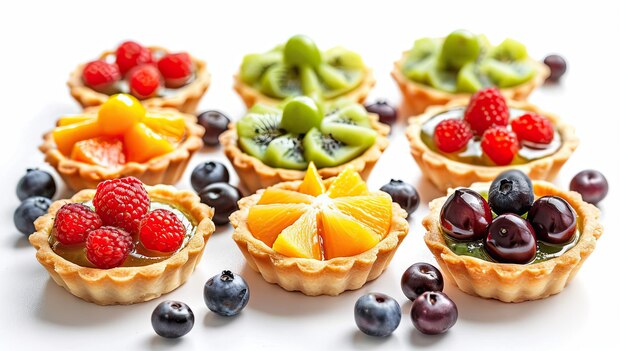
[
  {"x": 214, "y": 123},
  {"x": 419, "y": 278},
  {"x": 208, "y": 173},
  {"x": 377, "y": 314},
  {"x": 433, "y": 313},
  {"x": 386, "y": 113},
  {"x": 28, "y": 211},
  {"x": 36, "y": 183},
  {"x": 511, "y": 192},
  {"x": 557, "y": 65},
  {"x": 403, "y": 193},
  {"x": 591, "y": 184},
  {"x": 172, "y": 319},
  {"x": 223, "y": 198},
  {"x": 226, "y": 294}
]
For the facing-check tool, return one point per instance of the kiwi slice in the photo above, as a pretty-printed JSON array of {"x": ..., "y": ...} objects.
[
  {"x": 506, "y": 75},
  {"x": 417, "y": 71},
  {"x": 337, "y": 81},
  {"x": 459, "y": 48},
  {"x": 256, "y": 131},
  {"x": 326, "y": 151},
  {"x": 441, "y": 79},
  {"x": 301, "y": 114},
  {"x": 281, "y": 81},
  {"x": 509, "y": 50},
  {"x": 260, "y": 108},
  {"x": 468, "y": 80},
  {"x": 351, "y": 126},
  {"x": 301, "y": 50},
  {"x": 255, "y": 65},
  {"x": 423, "y": 48},
  {"x": 286, "y": 152},
  {"x": 343, "y": 58}
]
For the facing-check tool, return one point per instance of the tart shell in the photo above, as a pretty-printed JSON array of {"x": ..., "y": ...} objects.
[
  {"x": 185, "y": 100},
  {"x": 251, "y": 96},
  {"x": 418, "y": 97},
  {"x": 446, "y": 173},
  {"x": 127, "y": 285},
  {"x": 514, "y": 282},
  {"x": 165, "y": 169},
  {"x": 255, "y": 175},
  {"x": 309, "y": 276}
]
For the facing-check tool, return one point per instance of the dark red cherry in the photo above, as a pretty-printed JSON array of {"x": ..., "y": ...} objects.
[
  {"x": 386, "y": 113},
  {"x": 511, "y": 239},
  {"x": 557, "y": 66},
  {"x": 553, "y": 219},
  {"x": 591, "y": 184},
  {"x": 465, "y": 215}
]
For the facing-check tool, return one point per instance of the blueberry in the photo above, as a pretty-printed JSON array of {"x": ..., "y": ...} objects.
[
  {"x": 511, "y": 239},
  {"x": 28, "y": 211},
  {"x": 419, "y": 278},
  {"x": 403, "y": 193},
  {"x": 553, "y": 219},
  {"x": 386, "y": 113},
  {"x": 511, "y": 192},
  {"x": 465, "y": 215},
  {"x": 433, "y": 313},
  {"x": 208, "y": 173},
  {"x": 35, "y": 183},
  {"x": 223, "y": 198},
  {"x": 591, "y": 184},
  {"x": 214, "y": 123},
  {"x": 377, "y": 314},
  {"x": 172, "y": 319},
  {"x": 226, "y": 294}
]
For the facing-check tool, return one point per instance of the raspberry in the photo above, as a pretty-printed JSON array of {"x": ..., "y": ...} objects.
[
  {"x": 100, "y": 75},
  {"x": 533, "y": 128},
  {"x": 486, "y": 108},
  {"x": 73, "y": 221},
  {"x": 130, "y": 54},
  {"x": 500, "y": 145},
  {"x": 161, "y": 230},
  {"x": 452, "y": 135},
  {"x": 108, "y": 247},
  {"x": 144, "y": 81},
  {"x": 176, "y": 69},
  {"x": 122, "y": 203}
]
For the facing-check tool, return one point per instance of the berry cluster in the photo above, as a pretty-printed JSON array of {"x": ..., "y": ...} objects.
[{"x": 144, "y": 72}]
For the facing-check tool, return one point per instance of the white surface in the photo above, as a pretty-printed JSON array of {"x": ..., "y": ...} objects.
[{"x": 42, "y": 42}]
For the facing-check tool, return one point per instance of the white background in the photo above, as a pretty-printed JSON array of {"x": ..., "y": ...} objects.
[{"x": 41, "y": 42}]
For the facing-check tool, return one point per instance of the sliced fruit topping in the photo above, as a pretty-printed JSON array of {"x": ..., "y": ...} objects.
[
  {"x": 118, "y": 114},
  {"x": 343, "y": 236},
  {"x": 506, "y": 75},
  {"x": 286, "y": 151},
  {"x": 107, "y": 247},
  {"x": 254, "y": 66},
  {"x": 282, "y": 196},
  {"x": 509, "y": 50},
  {"x": 281, "y": 81},
  {"x": 160, "y": 230},
  {"x": 533, "y": 129},
  {"x": 122, "y": 203},
  {"x": 130, "y": 54},
  {"x": 465, "y": 215},
  {"x": 326, "y": 151},
  {"x": 256, "y": 131},
  {"x": 176, "y": 68},
  {"x": 168, "y": 125},
  {"x": 143, "y": 144},
  {"x": 300, "y": 114},
  {"x": 312, "y": 183},
  {"x": 553, "y": 219},
  {"x": 101, "y": 76},
  {"x": 459, "y": 48},
  {"x": 452, "y": 135},
  {"x": 301, "y": 50},
  {"x": 372, "y": 210},
  {"x": 347, "y": 183},
  {"x": 469, "y": 79},
  {"x": 144, "y": 81},
  {"x": 500, "y": 145},
  {"x": 301, "y": 239},
  {"x": 511, "y": 239},
  {"x": 267, "y": 221},
  {"x": 350, "y": 125},
  {"x": 486, "y": 108},
  {"x": 73, "y": 119},
  {"x": 102, "y": 151},
  {"x": 73, "y": 221},
  {"x": 66, "y": 136}
]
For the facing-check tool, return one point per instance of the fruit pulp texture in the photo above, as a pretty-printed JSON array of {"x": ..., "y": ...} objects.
[
  {"x": 473, "y": 153},
  {"x": 476, "y": 248},
  {"x": 139, "y": 256}
]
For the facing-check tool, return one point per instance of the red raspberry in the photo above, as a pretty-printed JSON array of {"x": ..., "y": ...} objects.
[
  {"x": 533, "y": 128},
  {"x": 144, "y": 81},
  {"x": 73, "y": 221},
  {"x": 452, "y": 135},
  {"x": 176, "y": 69},
  {"x": 486, "y": 108},
  {"x": 101, "y": 75},
  {"x": 122, "y": 203},
  {"x": 130, "y": 54},
  {"x": 161, "y": 230},
  {"x": 500, "y": 145},
  {"x": 108, "y": 247}
]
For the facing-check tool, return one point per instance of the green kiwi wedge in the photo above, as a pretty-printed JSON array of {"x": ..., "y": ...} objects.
[
  {"x": 423, "y": 48},
  {"x": 468, "y": 79},
  {"x": 343, "y": 58},
  {"x": 310, "y": 83},
  {"x": 417, "y": 71},
  {"x": 509, "y": 50},
  {"x": 441, "y": 79},
  {"x": 337, "y": 81},
  {"x": 263, "y": 108},
  {"x": 256, "y": 131},
  {"x": 255, "y": 65},
  {"x": 300, "y": 114},
  {"x": 301, "y": 50},
  {"x": 325, "y": 151},
  {"x": 351, "y": 126},
  {"x": 286, "y": 152},
  {"x": 506, "y": 75},
  {"x": 281, "y": 81},
  {"x": 459, "y": 48}
]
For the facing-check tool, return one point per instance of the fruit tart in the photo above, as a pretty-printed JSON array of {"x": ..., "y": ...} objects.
[
  {"x": 154, "y": 75},
  {"x": 436, "y": 71},
  {"x": 465, "y": 142},
  {"x": 122, "y": 138},
  {"x": 513, "y": 240},
  {"x": 298, "y": 67},
  {"x": 123, "y": 243},
  {"x": 319, "y": 237},
  {"x": 274, "y": 144}
]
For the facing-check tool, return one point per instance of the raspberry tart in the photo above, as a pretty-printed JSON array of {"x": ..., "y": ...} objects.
[
  {"x": 123, "y": 243},
  {"x": 156, "y": 76},
  {"x": 274, "y": 144},
  {"x": 122, "y": 138},
  {"x": 438, "y": 70},
  {"x": 319, "y": 237},
  {"x": 513, "y": 240},
  {"x": 298, "y": 67},
  {"x": 465, "y": 142}
]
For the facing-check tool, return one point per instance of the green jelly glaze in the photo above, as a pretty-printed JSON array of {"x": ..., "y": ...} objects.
[
  {"x": 139, "y": 256},
  {"x": 473, "y": 153}
]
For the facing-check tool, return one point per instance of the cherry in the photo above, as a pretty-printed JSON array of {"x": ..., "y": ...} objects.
[
  {"x": 591, "y": 184},
  {"x": 553, "y": 219},
  {"x": 557, "y": 65},
  {"x": 419, "y": 278},
  {"x": 511, "y": 239},
  {"x": 386, "y": 113},
  {"x": 433, "y": 313},
  {"x": 465, "y": 215}
]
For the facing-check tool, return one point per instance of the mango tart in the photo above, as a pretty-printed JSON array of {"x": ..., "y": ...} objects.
[{"x": 319, "y": 237}]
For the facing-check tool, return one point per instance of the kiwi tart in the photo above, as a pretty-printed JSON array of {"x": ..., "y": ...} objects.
[
  {"x": 271, "y": 144},
  {"x": 297, "y": 68},
  {"x": 438, "y": 70}
]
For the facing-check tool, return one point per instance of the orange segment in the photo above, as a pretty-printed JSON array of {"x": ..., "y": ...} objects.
[
  {"x": 343, "y": 236},
  {"x": 267, "y": 221},
  {"x": 142, "y": 144},
  {"x": 347, "y": 183},
  {"x": 282, "y": 196},
  {"x": 103, "y": 151},
  {"x": 119, "y": 113},
  {"x": 300, "y": 239},
  {"x": 71, "y": 119},
  {"x": 373, "y": 211},
  {"x": 66, "y": 136},
  {"x": 312, "y": 183},
  {"x": 169, "y": 126}
]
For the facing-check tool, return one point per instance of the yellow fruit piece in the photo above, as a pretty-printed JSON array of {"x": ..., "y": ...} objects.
[
  {"x": 343, "y": 236},
  {"x": 142, "y": 144},
  {"x": 371, "y": 210},
  {"x": 119, "y": 114},
  {"x": 66, "y": 136},
  {"x": 301, "y": 239},
  {"x": 72, "y": 119},
  {"x": 267, "y": 221},
  {"x": 169, "y": 126},
  {"x": 347, "y": 183},
  {"x": 102, "y": 151},
  {"x": 312, "y": 183},
  {"x": 282, "y": 196}
]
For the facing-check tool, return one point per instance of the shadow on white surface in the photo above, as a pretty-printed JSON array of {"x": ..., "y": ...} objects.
[
  {"x": 363, "y": 341},
  {"x": 21, "y": 241},
  {"x": 214, "y": 320},
  {"x": 160, "y": 343}
]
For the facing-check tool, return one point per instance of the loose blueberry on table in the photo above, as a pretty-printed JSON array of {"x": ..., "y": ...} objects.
[
  {"x": 377, "y": 314},
  {"x": 223, "y": 198},
  {"x": 36, "y": 183},
  {"x": 207, "y": 173},
  {"x": 591, "y": 184},
  {"x": 172, "y": 319},
  {"x": 214, "y": 123},
  {"x": 419, "y": 278},
  {"x": 226, "y": 294},
  {"x": 28, "y": 211},
  {"x": 403, "y": 193}
]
